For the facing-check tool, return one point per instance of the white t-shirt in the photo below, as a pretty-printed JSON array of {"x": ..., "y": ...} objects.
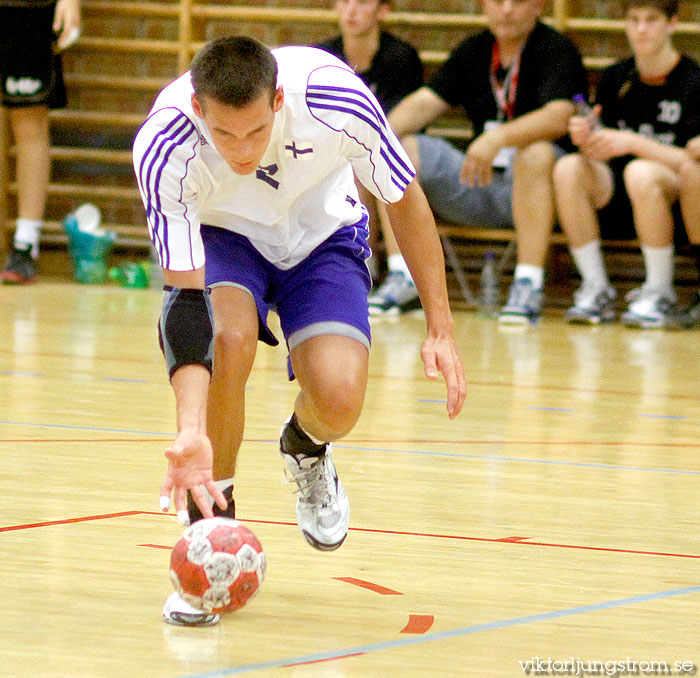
[{"x": 303, "y": 191}]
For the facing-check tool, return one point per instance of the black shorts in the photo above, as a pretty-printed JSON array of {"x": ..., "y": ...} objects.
[
  {"x": 616, "y": 219},
  {"x": 30, "y": 68}
]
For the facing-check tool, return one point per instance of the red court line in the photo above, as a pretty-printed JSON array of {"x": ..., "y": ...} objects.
[
  {"x": 327, "y": 659},
  {"x": 381, "y": 590},
  {"x": 418, "y": 623},
  {"x": 68, "y": 521},
  {"x": 567, "y": 443},
  {"x": 157, "y": 546},
  {"x": 502, "y": 540},
  {"x": 85, "y": 440}
]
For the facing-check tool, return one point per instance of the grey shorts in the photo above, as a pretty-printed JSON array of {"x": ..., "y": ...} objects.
[{"x": 440, "y": 165}]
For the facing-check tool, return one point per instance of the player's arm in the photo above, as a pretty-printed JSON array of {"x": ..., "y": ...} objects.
[
  {"x": 413, "y": 225},
  {"x": 186, "y": 332},
  {"x": 185, "y": 327}
]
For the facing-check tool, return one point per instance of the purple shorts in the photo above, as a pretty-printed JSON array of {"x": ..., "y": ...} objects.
[{"x": 326, "y": 293}]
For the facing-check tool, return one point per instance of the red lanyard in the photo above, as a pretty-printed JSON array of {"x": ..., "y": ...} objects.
[{"x": 504, "y": 92}]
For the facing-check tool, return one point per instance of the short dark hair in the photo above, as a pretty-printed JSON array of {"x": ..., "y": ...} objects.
[
  {"x": 234, "y": 71},
  {"x": 668, "y": 7}
]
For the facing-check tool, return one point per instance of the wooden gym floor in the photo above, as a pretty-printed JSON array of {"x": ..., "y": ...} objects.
[{"x": 556, "y": 520}]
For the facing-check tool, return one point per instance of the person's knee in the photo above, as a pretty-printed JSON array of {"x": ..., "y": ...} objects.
[
  {"x": 535, "y": 160},
  {"x": 689, "y": 175},
  {"x": 337, "y": 401},
  {"x": 642, "y": 181},
  {"x": 567, "y": 172},
  {"x": 234, "y": 348}
]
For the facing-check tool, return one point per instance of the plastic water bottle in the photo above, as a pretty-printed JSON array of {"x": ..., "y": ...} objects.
[
  {"x": 130, "y": 274},
  {"x": 489, "y": 288},
  {"x": 583, "y": 109}
]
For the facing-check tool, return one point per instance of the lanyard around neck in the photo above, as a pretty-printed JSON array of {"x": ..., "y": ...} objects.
[{"x": 504, "y": 91}]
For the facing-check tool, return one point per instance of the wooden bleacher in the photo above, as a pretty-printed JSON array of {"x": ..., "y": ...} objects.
[{"x": 130, "y": 49}]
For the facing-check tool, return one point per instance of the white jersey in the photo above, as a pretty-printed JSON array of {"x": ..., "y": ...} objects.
[{"x": 303, "y": 190}]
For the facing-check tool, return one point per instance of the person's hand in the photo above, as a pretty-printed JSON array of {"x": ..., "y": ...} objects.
[
  {"x": 579, "y": 130},
  {"x": 693, "y": 148},
  {"x": 605, "y": 144},
  {"x": 439, "y": 354},
  {"x": 189, "y": 468},
  {"x": 66, "y": 22},
  {"x": 477, "y": 168}
]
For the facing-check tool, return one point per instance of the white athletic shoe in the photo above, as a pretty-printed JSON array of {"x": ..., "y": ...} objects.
[
  {"x": 649, "y": 308},
  {"x": 179, "y": 612},
  {"x": 323, "y": 510}
]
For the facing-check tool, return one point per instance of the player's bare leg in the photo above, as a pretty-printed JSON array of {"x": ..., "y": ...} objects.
[
  {"x": 332, "y": 374},
  {"x": 235, "y": 343}
]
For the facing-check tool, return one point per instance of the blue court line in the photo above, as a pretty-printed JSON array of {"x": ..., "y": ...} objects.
[
  {"x": 489, "y": 457},
  {"x": 663, "y": 416},
  {"x": 551, "y": 409},
  {"x": 88, "y": 428},
  {"x": 31, "y": 374},
  {"x": 428, "y": 400},
  {"x": 442, "y": 635},
  {"x": 521, "y": 460}
]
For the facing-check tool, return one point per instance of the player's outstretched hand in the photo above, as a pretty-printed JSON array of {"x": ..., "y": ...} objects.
[
  {"x": 189, "y": 468},
  {"x": 439, "y": 354}
]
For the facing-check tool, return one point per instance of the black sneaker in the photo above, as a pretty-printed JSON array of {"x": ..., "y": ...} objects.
[
  {"x": 20, "y": 267},
  {"x": 689, "y": 317},
  {"x": 229, "y": 512}
]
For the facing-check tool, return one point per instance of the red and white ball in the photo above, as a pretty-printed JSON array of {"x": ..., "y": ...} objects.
[{"x": 217, "y": 565}]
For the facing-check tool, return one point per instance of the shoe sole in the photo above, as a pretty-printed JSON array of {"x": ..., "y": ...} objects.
[
  {"x": 14, "y": 279},
  {"x": 320, "y": 546},
  {"x": 513, "y": 319},
  {"x": 184, "y": 619},
  {"x": 589, "y": 321}
]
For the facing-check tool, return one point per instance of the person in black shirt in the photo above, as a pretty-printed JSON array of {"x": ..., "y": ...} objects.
[
  {"x": 32, "y": 32},
  {"x": 689, "y": 174},
  {"x": 515, "y": 81},
  {"x": 626, "y": 173},
  {"x": 390, "y": 67}
]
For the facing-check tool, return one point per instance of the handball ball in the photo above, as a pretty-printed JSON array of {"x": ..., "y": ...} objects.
[{"x": 217, "y": 565}]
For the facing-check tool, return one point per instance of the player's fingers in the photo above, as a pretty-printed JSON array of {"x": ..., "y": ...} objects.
[
  {"x": 430, "y": 363},
  {"x": 466, "y": 175},
  {"x": 217, "y": 494},
  {"x": 165, "y": 489},
  {"x": 200, "y": 498},
  {"x": 180, "y": 497}
]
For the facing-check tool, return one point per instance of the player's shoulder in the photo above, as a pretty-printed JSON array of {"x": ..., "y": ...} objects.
[
  {"x": 171, "y": 117},
  {"x": 297, "y": 64}
]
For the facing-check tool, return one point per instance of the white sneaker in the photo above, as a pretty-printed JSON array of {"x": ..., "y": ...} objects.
[
  {"x": 649, "y": 308},
  {"x": 323, "y": 510},
  {"x": 592, "y": 306},
  {"x": 179, "y": 612},
  {"x": 398, "y": 294}
]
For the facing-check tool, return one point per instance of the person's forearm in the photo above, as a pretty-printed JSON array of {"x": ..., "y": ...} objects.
[
  {"x": 547, "y": 123},
  {"x": 650, "y": 149},
  {"x": 191, "y": 386},
  {"x": 413, "y": 226}
]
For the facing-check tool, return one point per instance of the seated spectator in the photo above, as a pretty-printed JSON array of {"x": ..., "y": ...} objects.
[
  {"x": 625, "y": 176},
  {"x": 690, "y": 209},
  {"x": 515, "y": 80},
  {"x": 390, "y": 67},
  {"x": 32, "y": 82}
]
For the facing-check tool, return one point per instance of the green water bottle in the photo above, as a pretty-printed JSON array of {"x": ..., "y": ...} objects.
[{"x": 131, "y": 274}]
